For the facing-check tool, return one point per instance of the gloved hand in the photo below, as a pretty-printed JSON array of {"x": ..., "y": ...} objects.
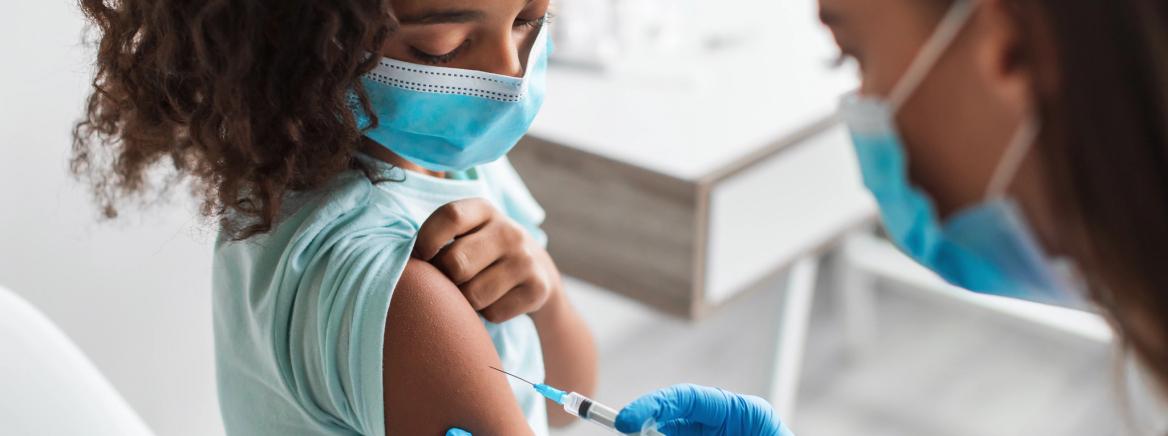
[
  {"x": 691, "y": 410},
  {"x": 457, "y": 432}
]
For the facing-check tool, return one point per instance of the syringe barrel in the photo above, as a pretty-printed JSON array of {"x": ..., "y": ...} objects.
[{"x": 588, "y": 409}]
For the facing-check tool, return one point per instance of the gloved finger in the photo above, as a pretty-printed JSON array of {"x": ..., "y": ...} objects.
[
  {"x": 457, "y": 432},
  {"x": 681, "y": 427},
  {"x": 761, "y": 416},
  {"x": 700, "y": 404},
  {"x": 450, "y": 221}
]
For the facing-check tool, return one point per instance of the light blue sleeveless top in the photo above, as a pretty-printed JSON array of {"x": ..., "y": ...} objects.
[{"x": 299, "y": 313}]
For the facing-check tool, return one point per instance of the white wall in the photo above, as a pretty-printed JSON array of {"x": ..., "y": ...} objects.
[{"x": 135, "y": 293}]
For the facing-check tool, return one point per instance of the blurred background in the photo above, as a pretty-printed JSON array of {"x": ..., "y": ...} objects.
[{"x": 743, "y": 103}]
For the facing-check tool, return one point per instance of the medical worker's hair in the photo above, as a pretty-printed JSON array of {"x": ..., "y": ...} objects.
[
  {"x": 1101, "y": 72},
  {"x": 246, "y": 99}
]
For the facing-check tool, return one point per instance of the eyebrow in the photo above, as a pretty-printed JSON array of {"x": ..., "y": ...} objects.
[
  {"x": 455, "y": 16},
  {"x": 447, "y": 16}
]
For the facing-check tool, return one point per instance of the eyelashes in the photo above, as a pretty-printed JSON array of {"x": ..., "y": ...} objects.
[
  {"x": 536, "y": 23},
  {"x": 437, "y": 59},
  {"x": 448, "y": 57}
]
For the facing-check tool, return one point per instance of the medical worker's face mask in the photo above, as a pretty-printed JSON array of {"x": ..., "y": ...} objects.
[
  {"x": 447, "y": 119},
  {"x": 988, "y": 248}
]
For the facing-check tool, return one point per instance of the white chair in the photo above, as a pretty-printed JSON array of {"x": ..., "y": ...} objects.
[{"x": 48, "y": 387}]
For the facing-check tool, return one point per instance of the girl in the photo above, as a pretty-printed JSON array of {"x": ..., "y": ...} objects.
[{"x": 342, "y": 145}]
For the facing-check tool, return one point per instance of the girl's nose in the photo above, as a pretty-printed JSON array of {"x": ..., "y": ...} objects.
[{"x": 501, "y": 56}]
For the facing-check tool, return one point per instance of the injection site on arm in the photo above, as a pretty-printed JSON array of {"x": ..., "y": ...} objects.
[{"x": 436, "y": 364}]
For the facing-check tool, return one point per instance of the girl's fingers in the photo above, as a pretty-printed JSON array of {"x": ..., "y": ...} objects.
[
  {"x": 468, "y": 256},
  {"x": 524, "y": 298},
  {"x": 449, "y": 222},
  {"x": 493, "y": 284}
]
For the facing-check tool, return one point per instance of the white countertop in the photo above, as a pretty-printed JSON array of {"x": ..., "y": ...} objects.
[{"x": 695, "y": 114}]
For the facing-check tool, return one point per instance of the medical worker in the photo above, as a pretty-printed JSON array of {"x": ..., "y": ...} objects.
[{"x": 1015, "y": 147}]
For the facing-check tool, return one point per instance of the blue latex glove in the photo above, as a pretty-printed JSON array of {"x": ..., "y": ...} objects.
[
  {"x": 692, "y": 410},
  {"x": 457, "y": 432}
]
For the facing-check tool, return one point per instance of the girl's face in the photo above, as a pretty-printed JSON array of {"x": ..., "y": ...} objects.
[
  {"x": 957, "y": 124},
  {"x": 493, "y": 36}
]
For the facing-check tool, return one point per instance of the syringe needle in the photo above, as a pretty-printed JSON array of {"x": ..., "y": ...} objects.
[
  {"x": 512, "y": 375},
  {"x": 581, "y": 406}
]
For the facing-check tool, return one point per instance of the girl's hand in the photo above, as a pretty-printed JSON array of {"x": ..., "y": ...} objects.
[{"x": 500, "y": 268}]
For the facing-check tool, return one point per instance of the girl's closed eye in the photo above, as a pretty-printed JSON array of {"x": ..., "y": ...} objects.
[
  {"x": 432, "y": 59},
  {"x": 534, "y": 23}
]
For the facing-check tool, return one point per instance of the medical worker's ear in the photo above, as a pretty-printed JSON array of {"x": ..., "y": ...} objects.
[{"x": 1001, "y": 55}]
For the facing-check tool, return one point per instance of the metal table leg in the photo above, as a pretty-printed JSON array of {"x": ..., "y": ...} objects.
[
  {"x": 857, "y": 305},
  {"x": 792, "y": 337}
]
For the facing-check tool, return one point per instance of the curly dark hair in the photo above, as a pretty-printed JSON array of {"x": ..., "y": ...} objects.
[{"x": 249, "y": 99}]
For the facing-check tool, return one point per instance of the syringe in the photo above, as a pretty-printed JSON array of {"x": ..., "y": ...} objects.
[{"x": 584, "y": 407}]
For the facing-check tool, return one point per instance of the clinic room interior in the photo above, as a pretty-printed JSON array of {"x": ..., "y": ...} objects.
[{"x": 202, "y": 226}]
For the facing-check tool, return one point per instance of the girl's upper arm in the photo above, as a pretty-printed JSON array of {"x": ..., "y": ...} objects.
[{"x": 437, "y": 363}]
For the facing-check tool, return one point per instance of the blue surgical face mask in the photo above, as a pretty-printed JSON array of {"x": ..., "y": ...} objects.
[
  {"x": 987, "y": 248},
  {"x": 447, "y": 119}
]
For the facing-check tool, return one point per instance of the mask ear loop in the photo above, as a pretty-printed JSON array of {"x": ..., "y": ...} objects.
[
  {"x": 931, "y": 52},
  {"x": 1012, "y": 159}
]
